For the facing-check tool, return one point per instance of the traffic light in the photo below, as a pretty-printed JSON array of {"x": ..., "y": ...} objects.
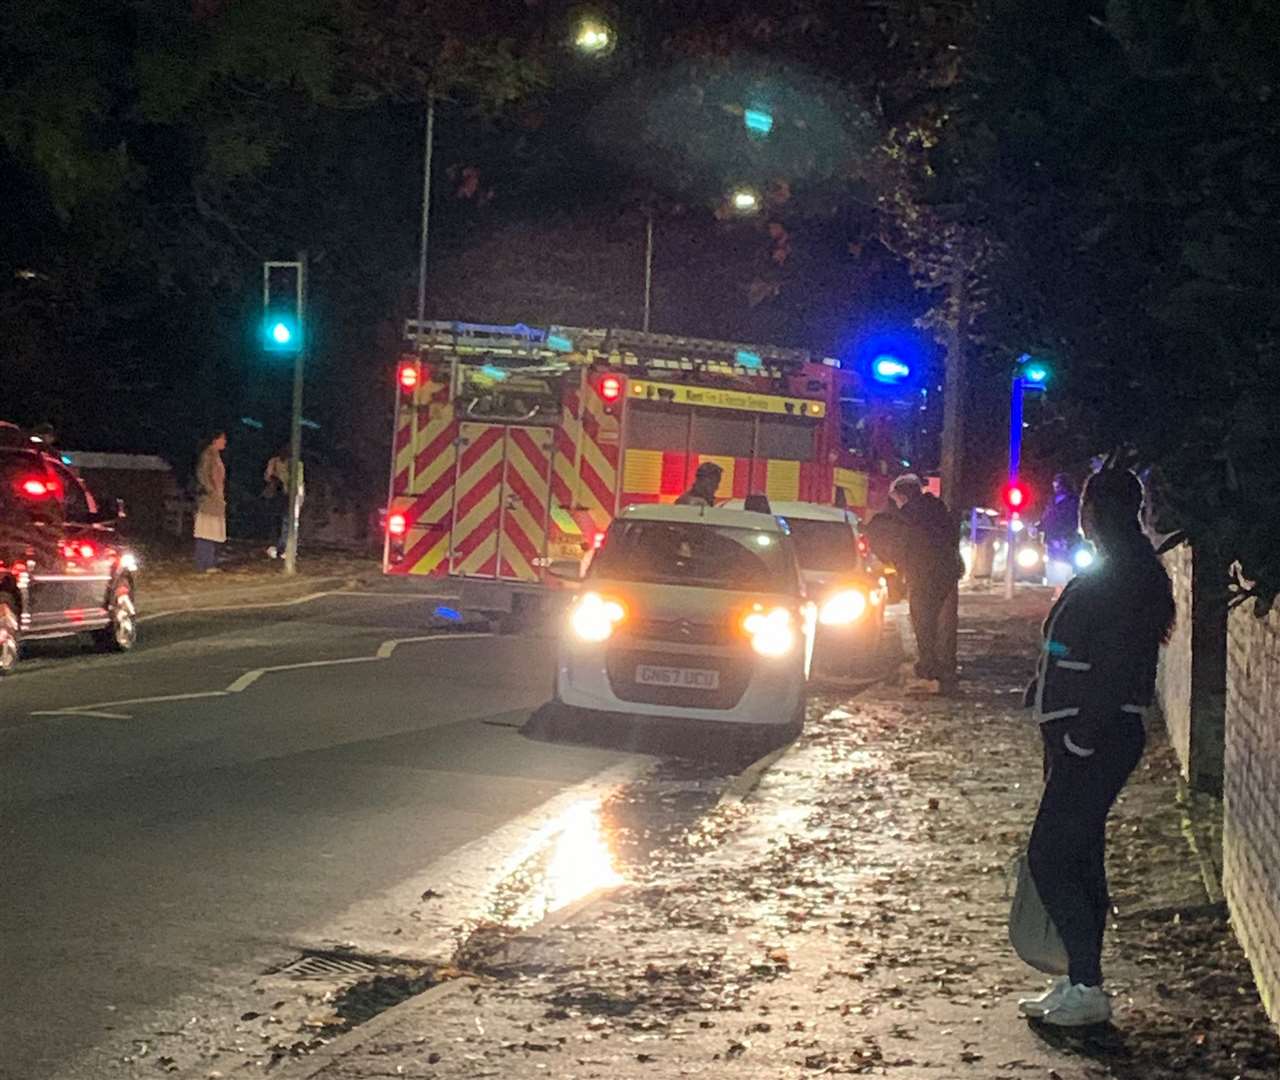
[
  {"x": 282, "y": 307},
  {"x": 1033, "y": 372},
  {"x": 1015, "y": 496}
]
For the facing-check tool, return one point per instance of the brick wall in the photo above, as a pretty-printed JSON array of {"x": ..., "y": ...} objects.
[
  {"x": 1251, "y": 826},
  {"x": 1173, "y": 677},
  {"x": 1191, "y": 682}
]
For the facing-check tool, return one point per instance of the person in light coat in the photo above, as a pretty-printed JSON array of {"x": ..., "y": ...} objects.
[{"x": 211, "y": 504}]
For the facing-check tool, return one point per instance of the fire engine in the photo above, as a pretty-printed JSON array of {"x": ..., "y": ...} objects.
[{"x": 515, "y": 446}]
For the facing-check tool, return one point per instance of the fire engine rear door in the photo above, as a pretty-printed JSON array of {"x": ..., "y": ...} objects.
[
  {"x": 526, "y": 503},
  {"x": 502, "y": 501}
]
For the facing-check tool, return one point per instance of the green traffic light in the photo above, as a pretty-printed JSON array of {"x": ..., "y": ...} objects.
[
  {"x": 1036, "y": 373},
  {"x": 281, "y": 334}
]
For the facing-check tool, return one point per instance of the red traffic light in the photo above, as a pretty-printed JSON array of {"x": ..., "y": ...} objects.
[
  {"x": 409, "y": 375},
  {"x": 1015, "y": 496},
  {"x": 610, "y": 388}
]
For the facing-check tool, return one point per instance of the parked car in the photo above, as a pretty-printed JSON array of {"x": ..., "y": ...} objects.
[
  {"x": 690, "y": 612},
  {"x": 835, "y": 564},
  {"x": 63, "y": 570}
]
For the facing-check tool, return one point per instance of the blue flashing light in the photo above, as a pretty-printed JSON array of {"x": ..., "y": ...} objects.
[
  {"x": 758, "y": 121},
  {"x": 747, "y": 359},
  {"x": 557, "y": 343},
  {"x": 443, "y": 612},
  {"x": 889, "y": 369},
  {"x": 65, "y": 458},
  {"x": 497, "y": 374}
]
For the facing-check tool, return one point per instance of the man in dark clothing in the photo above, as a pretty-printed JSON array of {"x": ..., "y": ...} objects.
[
  {"x": 932, "y": 566},
  {"x": 706, "y": 481},
  {"x": 1061, "y": 528}
]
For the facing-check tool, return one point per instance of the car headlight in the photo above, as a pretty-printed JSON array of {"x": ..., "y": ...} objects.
[
  {"x": 1083, "y": 558},
  {"x": 772, "y": 633},
  {"x": 845, "y": 607},
  {"x": 1028, "y": 558},
  {"x": 594, "y": 617}
]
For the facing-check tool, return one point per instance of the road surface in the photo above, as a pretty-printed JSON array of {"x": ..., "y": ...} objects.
[{"x": 244, "y": 787}]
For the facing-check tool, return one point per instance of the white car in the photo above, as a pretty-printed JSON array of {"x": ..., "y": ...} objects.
[
  {"x": 835, "y": 564},
  {"x": 690, "y": 612}
]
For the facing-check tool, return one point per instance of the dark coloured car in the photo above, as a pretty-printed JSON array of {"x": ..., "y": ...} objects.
[{"x": 63, "y": 569}]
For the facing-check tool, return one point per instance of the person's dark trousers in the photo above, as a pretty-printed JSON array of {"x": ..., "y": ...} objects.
[
  {"x": 1067, "y": 850},
  {"x": 935, "y": 613},
  {"x": 206, "y": 554}
]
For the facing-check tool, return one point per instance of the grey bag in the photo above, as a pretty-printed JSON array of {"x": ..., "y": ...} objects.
[{"x": 1031, "y": 931}]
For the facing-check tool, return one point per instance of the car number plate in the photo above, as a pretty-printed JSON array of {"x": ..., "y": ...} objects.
[{"x": 682, "y": 678}]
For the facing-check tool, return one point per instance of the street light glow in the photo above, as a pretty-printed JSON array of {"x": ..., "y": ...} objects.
[
  {"x": 593, "y": 36},
  {"x": 744, "y": 200}
]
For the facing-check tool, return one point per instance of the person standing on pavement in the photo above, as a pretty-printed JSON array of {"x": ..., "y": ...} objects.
[
  {"x": 933, "y": 568},
  {"x": 277, "y": 478},
  {"x": 706, "y": 482},
  {"x": 211, "y": 504},
  {"x": 1061, "y": 528},
  {"x": 1095, "y": 677}
]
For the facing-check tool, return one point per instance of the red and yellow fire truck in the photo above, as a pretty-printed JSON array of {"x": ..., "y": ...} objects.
[{"x": 515, "y": 446}]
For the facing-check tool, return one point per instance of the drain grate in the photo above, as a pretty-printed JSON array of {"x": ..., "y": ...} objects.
[{"x": 328, "y": 965}]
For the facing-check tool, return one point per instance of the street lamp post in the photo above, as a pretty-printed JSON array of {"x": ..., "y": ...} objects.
[
  {"x": 428, "y": 149},
  {"x": 648, "y": 266}
]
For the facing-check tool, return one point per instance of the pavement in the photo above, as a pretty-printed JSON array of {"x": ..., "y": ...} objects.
[{"x": 846, "y": 916}]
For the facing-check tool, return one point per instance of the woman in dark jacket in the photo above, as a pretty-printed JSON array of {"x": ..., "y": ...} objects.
[{"x": 1095, "y": 678}]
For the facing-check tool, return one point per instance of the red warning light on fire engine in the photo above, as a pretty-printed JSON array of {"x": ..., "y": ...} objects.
[
  {"x": 409, "y": 375},
  {"x": 396, "y": 525},
  {"x": 610, "y": 388}
]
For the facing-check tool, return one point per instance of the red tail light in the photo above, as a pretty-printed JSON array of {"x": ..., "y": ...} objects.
[
  {"x": 39, "y": 487},
  {"x": 610, "y": 388},
  {"x": 864, "y": 549},
  {"x": 598, "y": 542},
  {"x": 409, "y": 375},
  {"x": 396, "y": 525}
]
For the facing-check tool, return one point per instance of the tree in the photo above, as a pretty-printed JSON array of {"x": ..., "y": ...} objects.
[{"x": 1118, "y": 159}]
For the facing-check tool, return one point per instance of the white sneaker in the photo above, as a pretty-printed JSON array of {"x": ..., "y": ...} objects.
[
  {"x": 1038, "y": 1006},
  {"x": 271, "y": 552},
  {"x": 1080, "y": 1006}
]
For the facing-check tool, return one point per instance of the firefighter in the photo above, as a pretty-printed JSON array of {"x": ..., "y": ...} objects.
[
  {"x": 932, "y": 565},
  {"x": 1094, "y": 680},
  {"x": 706, "y": 482}
]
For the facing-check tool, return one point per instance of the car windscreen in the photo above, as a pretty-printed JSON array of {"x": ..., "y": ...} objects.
[
  {"x": 701, "y": 555},
  {"x": 824, "y": 545}
]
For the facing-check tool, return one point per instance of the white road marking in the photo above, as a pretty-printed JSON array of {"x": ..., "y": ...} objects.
[
  {"x": 388, "y": 647},
  {"x": 85, "y": 710},
  {"x": 247, "y": 679},
  {"x": 295, "y": 602}
]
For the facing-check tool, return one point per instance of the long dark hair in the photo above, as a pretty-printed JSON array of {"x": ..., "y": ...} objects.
[{"x": 1112, "y": 504}]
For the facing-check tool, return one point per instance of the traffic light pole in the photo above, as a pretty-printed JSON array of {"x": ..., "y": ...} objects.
[
  {"x": 295, "y": 428},
  {"x": 1015, "y": 463}
]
